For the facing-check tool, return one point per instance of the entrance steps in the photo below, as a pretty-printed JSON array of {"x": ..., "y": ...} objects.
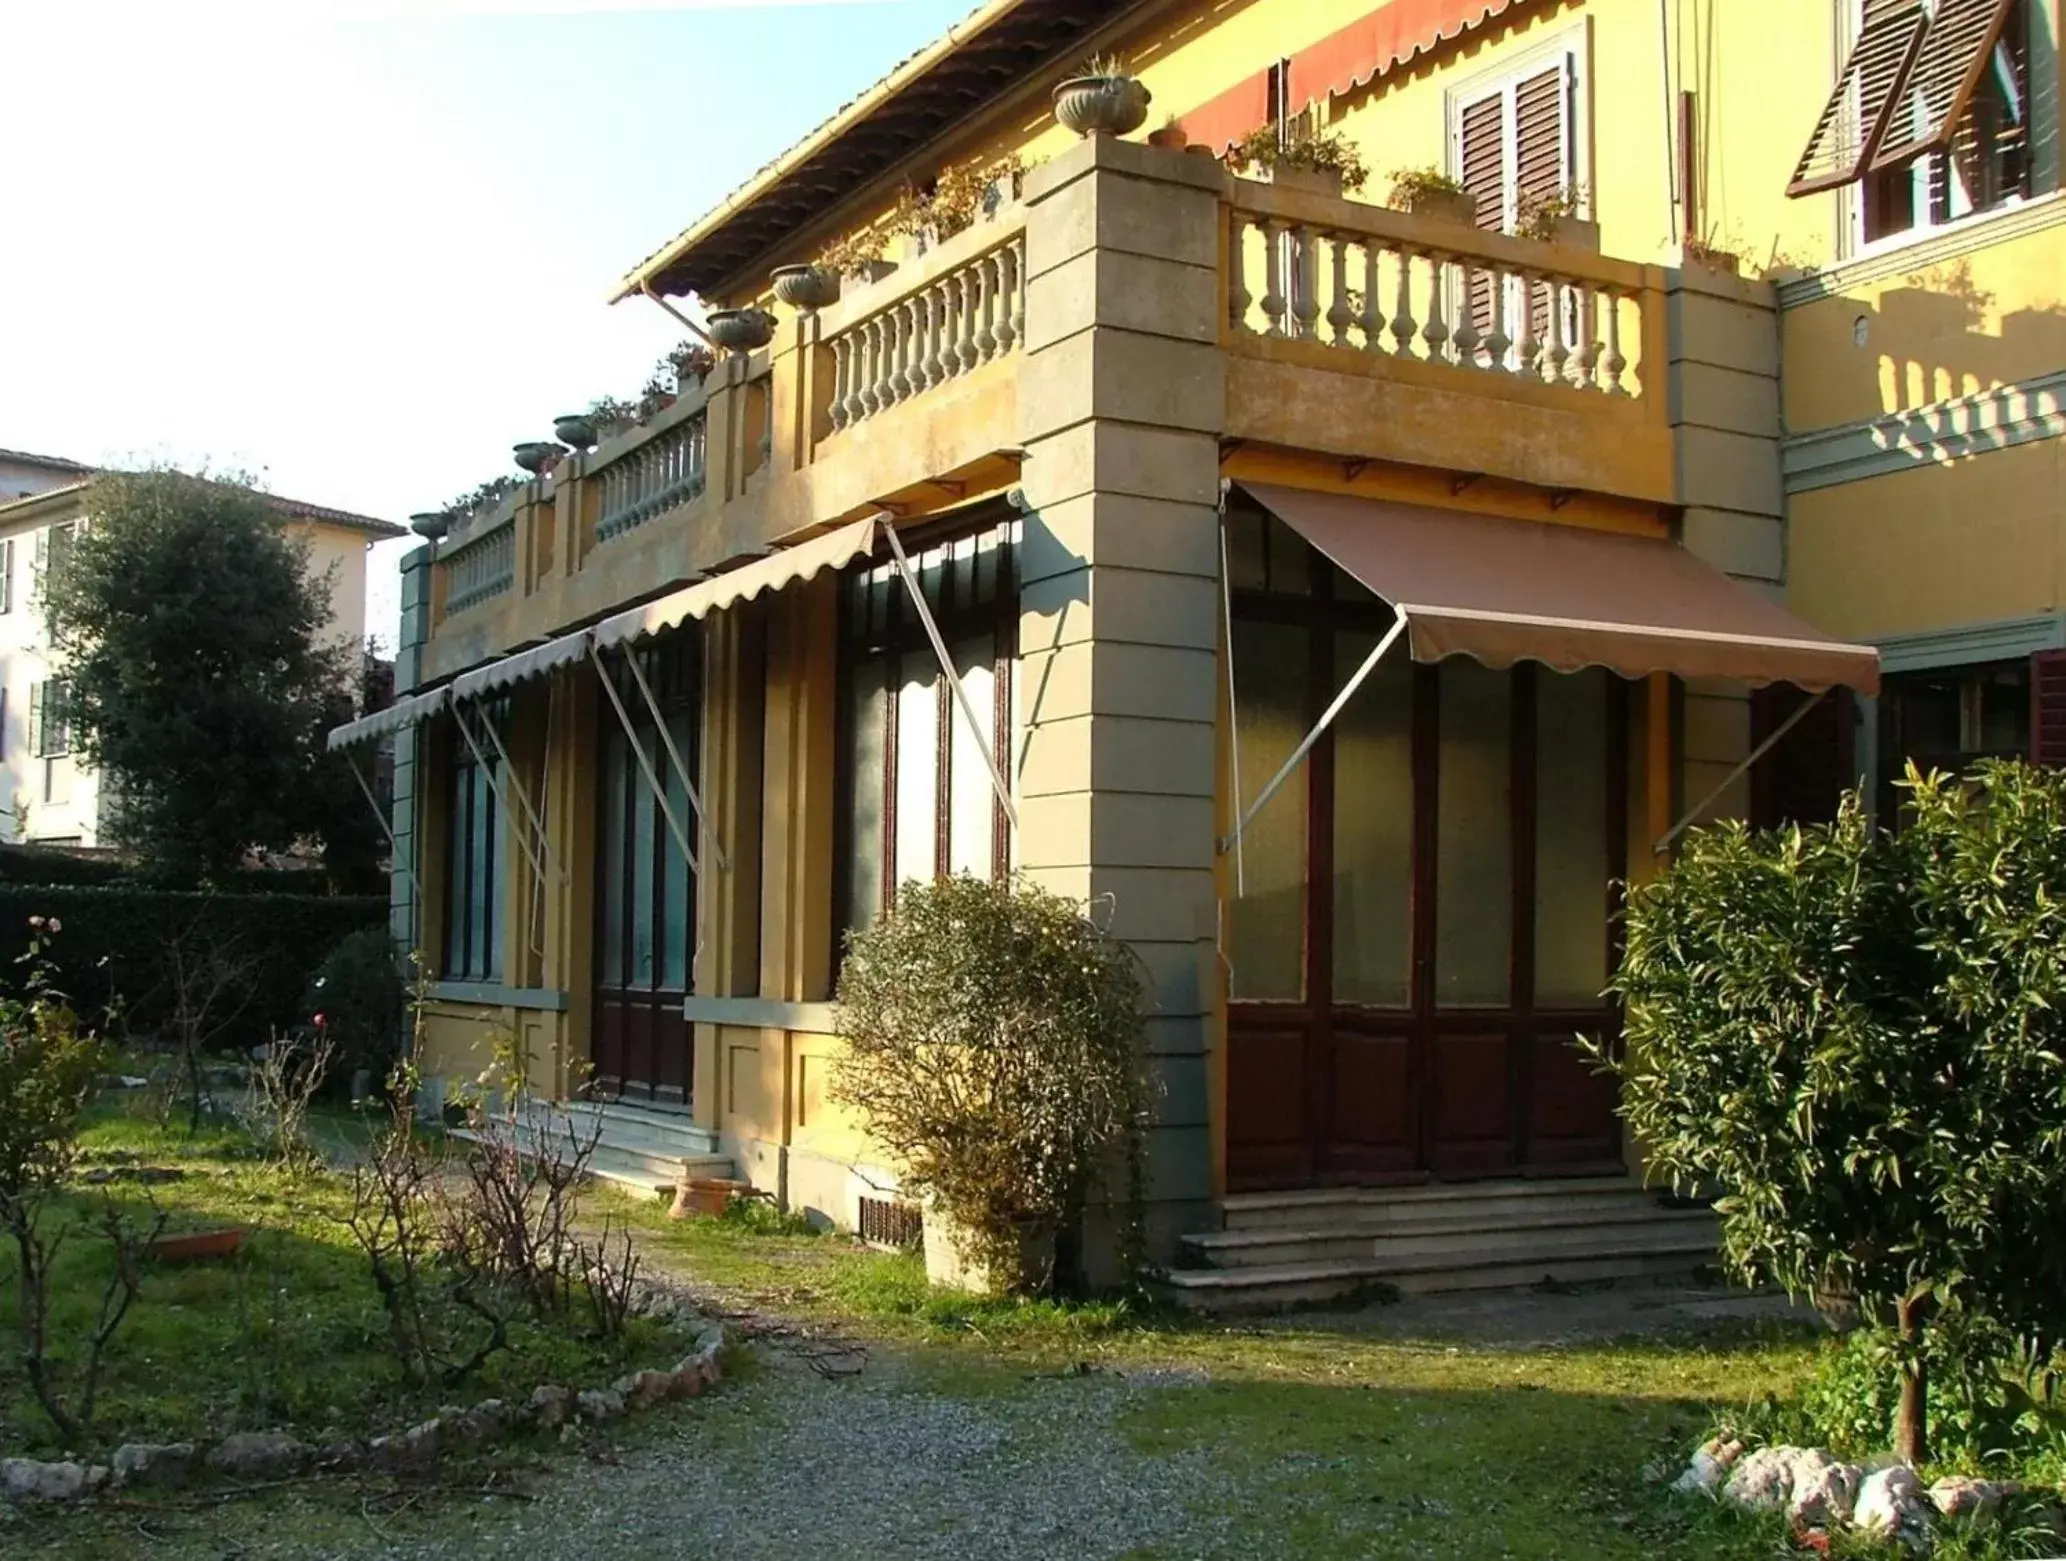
[
  {"x": 1321, "y": 1244},
  {"x": 644, "y": 1149}
]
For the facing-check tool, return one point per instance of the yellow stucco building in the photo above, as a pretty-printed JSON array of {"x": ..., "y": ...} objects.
[{"x": 1341, "y": 598}]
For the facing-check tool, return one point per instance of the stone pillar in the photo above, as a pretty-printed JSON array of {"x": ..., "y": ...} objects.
[
  {"x": 403, "y": 916},
  {"x": 1121, "y": 399},
  {"x": 1724, "y": 400}
]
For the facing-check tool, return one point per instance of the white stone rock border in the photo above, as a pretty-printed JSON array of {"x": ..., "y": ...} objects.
[{"x": 272, "y": 1455}]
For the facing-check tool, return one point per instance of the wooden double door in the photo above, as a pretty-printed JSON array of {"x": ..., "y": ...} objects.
[
  {"x": 1424, "y": 917},
  {"x": 641, "y": 1043}
]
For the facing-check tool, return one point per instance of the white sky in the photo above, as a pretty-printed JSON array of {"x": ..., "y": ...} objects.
[{"x": 360, "y": 247}]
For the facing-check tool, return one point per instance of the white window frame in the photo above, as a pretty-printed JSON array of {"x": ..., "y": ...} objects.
[{"x": 1572, "y": 46}]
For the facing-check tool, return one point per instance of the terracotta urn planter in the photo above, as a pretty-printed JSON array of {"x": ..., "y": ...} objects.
[
  {"x": 741, "y": 330},
  {"x": 201, "y": 1244},
  {"x": 706, "y": 1195},
  {"x": 1102, "y": 105},
  {"x": 1457, "y": 206},
  {"x": 574, "y": 431},
  {"x": 1170, "y": 138},
  {"x": 806, "y": 287},
  {"x": 431, "y": 523},
  {"x": 952, "y": 1264},
  {"x": 535, "y": 456}
]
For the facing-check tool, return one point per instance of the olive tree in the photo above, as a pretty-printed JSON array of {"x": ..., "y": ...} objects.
[
  {"x": 994, "y": 1047},
  {"x": 1860, "y": 1038}
]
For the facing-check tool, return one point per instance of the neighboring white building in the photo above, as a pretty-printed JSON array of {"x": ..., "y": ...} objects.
[{"x": 46, "y": 795}]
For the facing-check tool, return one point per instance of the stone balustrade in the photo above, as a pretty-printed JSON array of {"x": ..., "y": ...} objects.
[
  {"x": 1368, "y": 280},
  {"x": 651, "y": 478},
  {"x": 480, "y": 567},
  {"x": 947, "y": 326}
]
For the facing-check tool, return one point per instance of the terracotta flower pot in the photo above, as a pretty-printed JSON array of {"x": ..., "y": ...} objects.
[
  {"x": 202, "y": 1244},
  {"x": 806, "y": 287},
  {"x": 1102, "y": 105},
  {"x": 706, "y": 1195}
]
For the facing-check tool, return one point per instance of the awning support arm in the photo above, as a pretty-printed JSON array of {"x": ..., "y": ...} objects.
[
  {"x": 1757, "y": 753},
  {"x": 681, "y": 767},
  {"x": 516, "y": 786},
  {"x": 1298, "y": 754},
  {"x": 638, "y": 752},
  {"x": 968, "y": 711},
  {"x": 492, "y": 772},
  {"x": 394, "y": 846},
  {"x": 690, "y": 325}
]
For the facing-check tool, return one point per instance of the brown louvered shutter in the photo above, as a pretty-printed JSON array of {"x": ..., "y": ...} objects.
[
  {"x": 2048, "y": 707},
  {"x": 1802, "y": 779},
  {"x": 1542, "y": 136},
  {"x": 1854, "y": 121},
  {"x": 1953, "y": 60},
  {"x": 1481, "y": 169}
]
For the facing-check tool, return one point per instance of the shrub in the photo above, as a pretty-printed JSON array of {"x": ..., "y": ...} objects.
[
  {"x": 42, "y": 864},
  {"x": 359, "y": 992},
  {"x": 1329, "y": 152},
  {"x": 994, "y": 1047},
  {"x": 1858, "y": 1036},
  {"x": 117, "y": 941}
]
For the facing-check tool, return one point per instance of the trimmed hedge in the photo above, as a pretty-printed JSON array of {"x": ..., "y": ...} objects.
[
  {"x": 113, "y": 943},
  {"x": 43, "y": 864}
]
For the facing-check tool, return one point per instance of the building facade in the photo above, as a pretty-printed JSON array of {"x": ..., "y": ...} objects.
[
  {"x": 51, "y": 796},
  {"x": 1342, "y": 600}
]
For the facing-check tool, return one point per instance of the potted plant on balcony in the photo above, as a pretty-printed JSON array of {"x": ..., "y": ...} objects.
[
  {"x": 1714, "y": 251},
  {"x": 1431, "y": 193},
  {"x": 431, "y": 523},
  {"x": 607, "y": 415},
  {"x": 1170, "y": 137},
  {"x": 1101, "y": 99},
  {"x": 1558, "y": 219},
  {"x": 690, "y": 362},
  {"x": 574, "y": 430},
  {"x": 857, "y": 257},
  {"x": 741, "y": 330},
  {"x": 808, "y": 287},
  {"x": 1328, "y": 163},
  {"x": 536, "y": 456},
  {"x": 654, "y": 397}
]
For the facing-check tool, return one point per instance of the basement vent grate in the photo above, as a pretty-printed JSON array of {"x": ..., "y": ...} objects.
[{"x": 888, "y": 1224}]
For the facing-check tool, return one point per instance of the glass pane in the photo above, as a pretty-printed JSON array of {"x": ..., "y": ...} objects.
[
  {"x": 1291, "y": 571},
  {"x": 972, "y": 799},
  {"x": 610, "y": 863},
  {"x": 1373, "y": 828},
  {"x": 2005, "y": 709},
  {"x": 1267, "y": 926},
  {"x": 1929, "y": 714},
  {"x": 1245, "y": 567},
  {"x": 676, "y": 938},
  {"x": 456, "y": 838},
  {"x": 918, "y": 768},
  {"x": 1571, "y": 848},
  {"x": 866, "y": 750},
  {"x": 1473, "y": 838},
  {"x": 644, "y": 821}
]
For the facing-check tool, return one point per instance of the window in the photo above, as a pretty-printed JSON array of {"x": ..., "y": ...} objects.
[
  {"x": 473, "y": 862},
  {"x": 1948, "y": 718},
  {"x": 1512, "y": 141},
  {"x": 50, "y": 719},
  {"x": 916, "y": 796},
  {"x": 645, "y": 889},
  {"x": 7, "y": 575},
  {"x": 53, "y": 548}
]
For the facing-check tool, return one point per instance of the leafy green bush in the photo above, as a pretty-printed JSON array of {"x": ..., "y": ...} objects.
[
  {"x": 48, "y": 1065},
  {"x": 1859, "y": 1037},
  {"x": 359, "y": 992},
  {"x": 994, "y": 1048},
  {"x": 114, "y": 952}
]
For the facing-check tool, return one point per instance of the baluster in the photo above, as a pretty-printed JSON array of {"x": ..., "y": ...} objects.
[
  {"x": 1008, "y": 280},
  {"x": 1528, "y": 350},
  {"x": 1238, "y": 298},
  {"x": 871, "y": 381},
  {"x": 1305, "y": 261},
  {"x": 1017, "y": 248},
  {"x": 933, "y": 314},
  {"x": 1339, "y": 315},
  {"x": 1559, "y": 352},
  {"x": 986, "y": 320},
  {"x": 1436, "y": 332},
  {"x": 837, "y": 409},
  {"x": 1588, "y": 341},
  {"x": 1403, "y": 323},
  {"x": 1614, "y": 364},
  {"x": 963, "y": 344},
  {"x": 1372, "y": 319},
  {"x": 1467, "y": 337},
  {"x": 1273, "y": 280},
  {"x": 1497, "y": 343},
  {"x": 901, "y": 387}
]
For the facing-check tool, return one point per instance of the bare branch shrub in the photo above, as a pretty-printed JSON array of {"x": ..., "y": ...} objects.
[
  {"x": 609, "y": 1279},
  {"x": 212, "y": 984},
  {"x": 275, "y": 1108}
]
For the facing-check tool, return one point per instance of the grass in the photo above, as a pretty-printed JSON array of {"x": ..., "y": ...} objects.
[{"x": 289, "y": 1333}]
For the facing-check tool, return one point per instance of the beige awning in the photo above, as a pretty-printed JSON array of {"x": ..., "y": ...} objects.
[
  {"x": 403, "y": 712},
  {"x": 833, "y": 550},
  {"x": 1502, "y": 591}
]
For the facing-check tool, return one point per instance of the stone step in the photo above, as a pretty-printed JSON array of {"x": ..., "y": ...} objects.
[
  {"x": 1300, "y": 1284},
  {"x": 631, "y": 1124},
  {"x": 629, "y": 1153},
  {"x": 1459, "y": 1233},
  {"x": 1378, "y": 1207}
]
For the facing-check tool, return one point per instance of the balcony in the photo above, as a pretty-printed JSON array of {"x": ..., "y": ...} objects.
[{"x": 1344, "y": 330}]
